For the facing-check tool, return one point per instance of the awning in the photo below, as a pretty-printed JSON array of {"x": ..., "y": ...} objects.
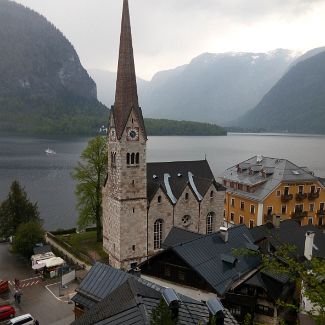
[{"x": 38, "y": 266}]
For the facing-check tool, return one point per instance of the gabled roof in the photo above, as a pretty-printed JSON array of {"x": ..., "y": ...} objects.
[
  {"x": 272, "y": 284},
  {"x": 179, "y": 235},
  {"x": 290, "y": 232},
  {"x": 133, "y": 301},
  {"x": 42, "y": 249},
  {"x": 205, "y": 256},
  {"x": 266, "y": 173},
  {"x": 99, "y": 282},
  {"x": 174, "y": 177},
  {"x": 126, "y": 96}
]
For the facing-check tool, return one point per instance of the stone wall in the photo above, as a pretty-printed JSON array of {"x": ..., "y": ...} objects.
[
  {"x": 156, "y": 210},
  {"x": 189, "y": 207}
]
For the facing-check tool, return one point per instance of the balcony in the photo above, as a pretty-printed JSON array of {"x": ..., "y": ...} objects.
[
  {"x": 321, "y": 213},
  {"x": 313, "y": 195},
  {"x": 286, "y": 197},
  {"x": 241, "y": 299},
  {"x": 298, "y": 214},
  {"x": 301, "y": 196}
]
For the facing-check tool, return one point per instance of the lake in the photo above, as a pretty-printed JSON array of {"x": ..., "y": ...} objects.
[{"x": 47, "y": 178}]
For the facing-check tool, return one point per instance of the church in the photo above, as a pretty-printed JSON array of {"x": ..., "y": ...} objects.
[{"x": 143, "y": 201}]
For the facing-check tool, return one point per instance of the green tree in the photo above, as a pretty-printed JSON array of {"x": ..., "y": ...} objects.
[
  {"x": 90, "y": 175},
  {"x": 27, "y": 235},
  {"x": 16, "y": 210},
  {"x": 162, "y": 315},
  {"x": 310, "y": 275}
]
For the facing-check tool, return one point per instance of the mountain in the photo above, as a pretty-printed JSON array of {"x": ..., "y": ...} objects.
[
  {"x": 106, "y": 84},
  {"x": 211, "y": 88},
  {"x": 296, "y": 103},
  {"x": 43, "y": 87}
]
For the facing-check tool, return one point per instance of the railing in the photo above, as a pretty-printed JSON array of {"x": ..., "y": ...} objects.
[
  {"x": 286, "y": 197},
  {"x": 301, "y": 196},
  {"x": 241, "y": 299},
  {"x": 313, "y": 195},
  {"x": 298, "y": 214},
  {"x": 321, "y": 212}
]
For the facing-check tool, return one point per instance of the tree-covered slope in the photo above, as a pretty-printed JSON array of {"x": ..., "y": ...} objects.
[
  {"x": 296, "y": 103},
  {"x": 170, "y": 127},
  {"x": 43, "y": 87}
]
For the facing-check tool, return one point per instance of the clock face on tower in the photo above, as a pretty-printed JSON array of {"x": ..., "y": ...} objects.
[{"x": 133, "y": 134}]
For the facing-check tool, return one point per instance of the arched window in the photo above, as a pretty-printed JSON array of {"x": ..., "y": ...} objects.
[
  {"x": 159, "y": 199},
  {"x": 211, "y": 194},
  {"x": 209, "y": 225},
  {"x": 137, "y": 158},
  {"x": 186, "y": 196},
  {"x": 132, "y": 158},
  {"x": 128, "y": 159},
  {"x": 158, "y": 233}
]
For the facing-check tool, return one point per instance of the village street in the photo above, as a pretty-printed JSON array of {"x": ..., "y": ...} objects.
[{"x": 39, "y": 298}]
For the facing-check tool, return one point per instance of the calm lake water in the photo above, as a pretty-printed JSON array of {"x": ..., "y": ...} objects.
[{"x": 47, "y": 178}]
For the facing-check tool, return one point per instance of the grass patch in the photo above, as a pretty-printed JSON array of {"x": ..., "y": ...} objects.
[{"x": 86, "y": 243}]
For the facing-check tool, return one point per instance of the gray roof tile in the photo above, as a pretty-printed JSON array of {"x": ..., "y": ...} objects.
[{"x": 276, "y": 170}]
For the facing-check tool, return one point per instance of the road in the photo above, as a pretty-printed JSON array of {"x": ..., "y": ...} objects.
[{"x": 39, "y": 298}]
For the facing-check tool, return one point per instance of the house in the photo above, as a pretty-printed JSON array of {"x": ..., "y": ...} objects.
[
  {"x": 263, "y": 189},
  {"x": 211, "y": 263},
  {"x": 206, "y": 262},
  {"x": 111, "y": 296},
  {"x": 308, "y": 241}
]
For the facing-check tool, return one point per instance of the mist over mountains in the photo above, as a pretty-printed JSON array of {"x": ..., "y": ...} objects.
[
  {"x": 296, "y": 103},
  {"x": 211, "y": 88}
]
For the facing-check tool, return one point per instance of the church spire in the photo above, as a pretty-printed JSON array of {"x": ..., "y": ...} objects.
[{"x": 126, "y": 96}]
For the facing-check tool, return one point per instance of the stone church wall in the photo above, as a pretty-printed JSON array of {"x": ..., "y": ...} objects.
[
  {"x": 213, "y": 204},
  {"x": 164, "y": 211},
  {"x": 187, "y": 207}
]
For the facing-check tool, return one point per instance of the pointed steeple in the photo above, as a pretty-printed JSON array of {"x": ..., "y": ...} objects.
[{"x": 126, "y": 96}]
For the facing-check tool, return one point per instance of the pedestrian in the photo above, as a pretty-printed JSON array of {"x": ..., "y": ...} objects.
[
  {"x": 36, "y": 322},
  {"x": 18, "y": 297}
]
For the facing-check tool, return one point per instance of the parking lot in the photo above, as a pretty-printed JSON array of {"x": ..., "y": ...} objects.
[{"x": 44, "y": 300}]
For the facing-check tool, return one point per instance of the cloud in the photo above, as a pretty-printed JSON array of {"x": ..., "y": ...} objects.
[{"x": 167, "y": 33}]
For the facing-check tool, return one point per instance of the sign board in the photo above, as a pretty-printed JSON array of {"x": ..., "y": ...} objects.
[{"x": 68, "y": 277}]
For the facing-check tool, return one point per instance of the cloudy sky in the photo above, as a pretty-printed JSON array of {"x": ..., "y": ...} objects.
[{"x": 168, "y": 33}]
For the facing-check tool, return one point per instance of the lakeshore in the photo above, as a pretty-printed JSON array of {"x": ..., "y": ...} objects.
[{"x": 47, "y": 178}]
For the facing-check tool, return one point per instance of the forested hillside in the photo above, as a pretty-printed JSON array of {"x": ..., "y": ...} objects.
[
  {"x": 43, "y": 87},
  {"x": 296, "y": 103}
]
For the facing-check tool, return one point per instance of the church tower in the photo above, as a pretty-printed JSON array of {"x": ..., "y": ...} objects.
[{"x": 125, "y": 191}]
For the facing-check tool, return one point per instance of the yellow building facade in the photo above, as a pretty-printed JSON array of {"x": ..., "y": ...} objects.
[{"x": 263, "y": 189}]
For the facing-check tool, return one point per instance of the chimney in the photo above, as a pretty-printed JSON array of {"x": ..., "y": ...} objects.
[
  {"x": 309, "y": 243},
  {"x": 172, "y": 300},
  {"x": 224, "y": 234},
  {"x": 216, "y": 311}
]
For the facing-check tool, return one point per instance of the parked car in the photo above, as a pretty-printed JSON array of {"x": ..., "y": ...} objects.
[
  {"x": 7, "y": 311},
  {"x": 26, "y": 319},
  {"x": 4, "y": 286}
]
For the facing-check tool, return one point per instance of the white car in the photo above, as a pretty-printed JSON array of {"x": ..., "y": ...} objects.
[{"x": 26, "y": 319}]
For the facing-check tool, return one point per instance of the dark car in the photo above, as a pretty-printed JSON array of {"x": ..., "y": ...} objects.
[{"x": 7, "y": 311}]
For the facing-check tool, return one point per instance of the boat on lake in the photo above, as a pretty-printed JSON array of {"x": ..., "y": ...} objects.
[{"x": 49, "y": 152}]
